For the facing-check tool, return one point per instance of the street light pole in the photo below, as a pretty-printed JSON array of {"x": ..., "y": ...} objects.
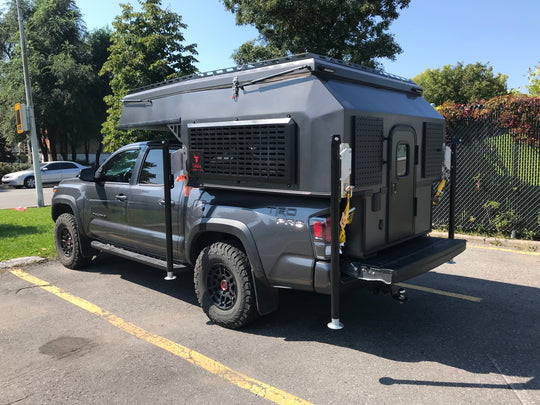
[{"x": 31, "y": 118}]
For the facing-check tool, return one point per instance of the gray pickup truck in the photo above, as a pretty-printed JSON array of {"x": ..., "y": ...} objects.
[{"x": 249, "y": 207}]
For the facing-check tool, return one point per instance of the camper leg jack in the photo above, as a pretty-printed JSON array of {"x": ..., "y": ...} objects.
[
  {"x": 335, "y": 199},
  {"x": 398, "y": 293}
]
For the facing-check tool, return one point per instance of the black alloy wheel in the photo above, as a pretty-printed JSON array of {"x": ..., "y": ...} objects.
[{"x": 222, "y": 287}]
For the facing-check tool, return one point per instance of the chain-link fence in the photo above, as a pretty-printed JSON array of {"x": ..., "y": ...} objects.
[{"x": 498, "y": 182}]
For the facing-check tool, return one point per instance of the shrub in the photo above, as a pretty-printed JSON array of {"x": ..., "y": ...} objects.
[{"x": 6, "y": 168}]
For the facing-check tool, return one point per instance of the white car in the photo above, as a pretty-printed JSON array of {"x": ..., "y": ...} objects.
[{"x": 51, "y": 172}]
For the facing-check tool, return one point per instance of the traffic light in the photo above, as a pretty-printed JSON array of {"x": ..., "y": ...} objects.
[{"x": 21, "y": 117}]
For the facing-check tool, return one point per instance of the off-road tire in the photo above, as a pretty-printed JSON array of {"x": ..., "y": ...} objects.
[
  {"x": 222, "y": 279},
  {"x": 29, "y": 182},
  {"x": 68, "y": 243}
]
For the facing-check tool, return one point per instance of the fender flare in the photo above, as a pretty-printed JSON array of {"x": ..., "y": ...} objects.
[
  {"x": 266, "y": 296},
  {"x": 70, "y": 201}
]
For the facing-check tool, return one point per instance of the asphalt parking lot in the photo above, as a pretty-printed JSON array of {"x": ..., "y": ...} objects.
[{"x": 118, "y": 333}]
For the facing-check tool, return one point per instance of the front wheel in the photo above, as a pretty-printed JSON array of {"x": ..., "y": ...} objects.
[
  {"x": 68, "y": 243},
  {"x": 30, "y": 182},
  {"x": 223, "y": 286}
]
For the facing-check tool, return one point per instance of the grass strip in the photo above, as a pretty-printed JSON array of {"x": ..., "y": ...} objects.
[{"x": 26, "y": 233}]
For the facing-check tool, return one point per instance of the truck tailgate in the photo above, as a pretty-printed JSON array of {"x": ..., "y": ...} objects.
[{"x": 405, "y": 261}]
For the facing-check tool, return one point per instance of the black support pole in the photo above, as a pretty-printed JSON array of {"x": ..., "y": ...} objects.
[
  {"x": 167, "y": 185},
  {"x": 452, "y": 205},
  {"x": 335, "y": 199}
]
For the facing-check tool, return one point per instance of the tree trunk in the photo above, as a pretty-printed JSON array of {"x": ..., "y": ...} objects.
[
  {"x": 87, "y": 151},
  {"x": 53, "y": 149},
  {"x": 63, "y": 150},
  {"x": 43, "y": 146},
  {"x": 73, "y": 151},
  {"x": 98, "y": 155}
]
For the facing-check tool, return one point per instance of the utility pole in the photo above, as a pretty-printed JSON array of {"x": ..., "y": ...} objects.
[{"x": 31, "y": 118}]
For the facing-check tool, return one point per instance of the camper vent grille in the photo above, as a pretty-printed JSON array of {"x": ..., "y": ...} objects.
[
  {"x": 259, "y": 152},
  {"x": 368, "y": 147},
  {"x": 433, "y": 149}
]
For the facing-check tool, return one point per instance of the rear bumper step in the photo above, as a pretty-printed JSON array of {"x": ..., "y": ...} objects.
[
  {"x": 138, "y": 257},
  {"x": 404, "y": 261}
]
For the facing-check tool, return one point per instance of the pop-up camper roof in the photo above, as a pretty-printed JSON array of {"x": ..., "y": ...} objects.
[
  {"x": 162, "y": 104},
  {"x": 268, "y": 125}
]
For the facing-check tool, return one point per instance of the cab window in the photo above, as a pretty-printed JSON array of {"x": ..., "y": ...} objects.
[
  {"x": 119, "y": 169},
  {"x": 152, "y": 169}
]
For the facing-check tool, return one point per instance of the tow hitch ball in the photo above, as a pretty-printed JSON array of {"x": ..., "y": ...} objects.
[{"x": 398, "y": 293}]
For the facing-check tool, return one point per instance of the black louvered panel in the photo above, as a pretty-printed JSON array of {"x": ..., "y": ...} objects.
[
  {"x": 432, "y": 155},
  {"x": 262, "y": 153},
  {"x": 368, "y": 151}
]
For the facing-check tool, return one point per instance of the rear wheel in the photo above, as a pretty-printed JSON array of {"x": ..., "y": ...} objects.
[
  {"x": 29, "y": 182},
  {"x": 67, "y": 242},
  {"x": 223, "y": 286}
]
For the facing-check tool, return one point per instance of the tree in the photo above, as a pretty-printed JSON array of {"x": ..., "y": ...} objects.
[
  {"x": 352, "y": 30},
  {"x": 461, "y": 84},
  {"x": 59, "y": 75},
  {"x": 9, "y": 25},
  {"x": 97, "y": 45},
  {"x": 146, "y": 47},
  {"x": 11, "y": 79},
  {"x": 534, "y": 81}
]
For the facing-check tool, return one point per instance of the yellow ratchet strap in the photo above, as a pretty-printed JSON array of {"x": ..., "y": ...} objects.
[
  {"x": 346, "y": 218},
  {"x": 440, "y": 188}
]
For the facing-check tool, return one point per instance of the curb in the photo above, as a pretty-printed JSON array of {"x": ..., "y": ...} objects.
[
  {"x": 21, "y": 261},
  {"x": 517, "y": 244}
]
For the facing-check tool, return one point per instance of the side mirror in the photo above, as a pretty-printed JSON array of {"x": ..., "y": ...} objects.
[
  {"x": 44, "y": 169},
  {"x": 87, "y": 174}
]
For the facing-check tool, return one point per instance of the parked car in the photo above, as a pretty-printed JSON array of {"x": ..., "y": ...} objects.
[{"x": 51, "y": 172}]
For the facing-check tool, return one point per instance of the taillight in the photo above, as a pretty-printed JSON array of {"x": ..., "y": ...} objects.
[
  {"x": 322, "y": 236},
  {"x": 322, "y": 229},
  {"x": 318, "y": 230},
  {"x": 328, "y": 231}
]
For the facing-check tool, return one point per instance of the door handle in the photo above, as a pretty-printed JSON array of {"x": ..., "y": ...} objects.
[
  {"x": 162, "y": 203},
  {"x": 121, "y": 197}
]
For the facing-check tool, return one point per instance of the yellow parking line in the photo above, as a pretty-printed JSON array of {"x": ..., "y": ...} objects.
[
  {"x": 504, "y": 250},
  {"x": 257, "y": 387},
  {"x": 440, "y": 292}
]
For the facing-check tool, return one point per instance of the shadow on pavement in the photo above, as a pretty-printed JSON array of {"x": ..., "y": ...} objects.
[{"x": 499, "y": 335}]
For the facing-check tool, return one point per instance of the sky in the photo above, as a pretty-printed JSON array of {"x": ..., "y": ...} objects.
[{"x": 432, "y": 33}]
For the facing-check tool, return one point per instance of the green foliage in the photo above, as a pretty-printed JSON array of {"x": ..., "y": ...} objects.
[
  {"x": 26, "y": 233},
  {"x": 354, "y": 30},
  {"x": 527, "y": 235},
  {"x": 5, "y": 152},
  {"x": 250, "y": 52},
  {"x": 520, "y": 114},
  {"x": 6, "y": 168},
  {"x": 146, "y": 47},
  {"x": 495, "y": 221},
  {"x": 62, "y": 72},
  {"x": 534, "y": 81},
  {"x": 11, "y": 80},
  {"x": 461, "y": 84}
]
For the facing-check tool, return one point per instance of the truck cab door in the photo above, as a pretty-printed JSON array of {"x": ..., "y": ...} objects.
[
  {"x": 146, "y": 209},
  {"x": 108, "y": 199},
  {"x": 401, "y": 183}
]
